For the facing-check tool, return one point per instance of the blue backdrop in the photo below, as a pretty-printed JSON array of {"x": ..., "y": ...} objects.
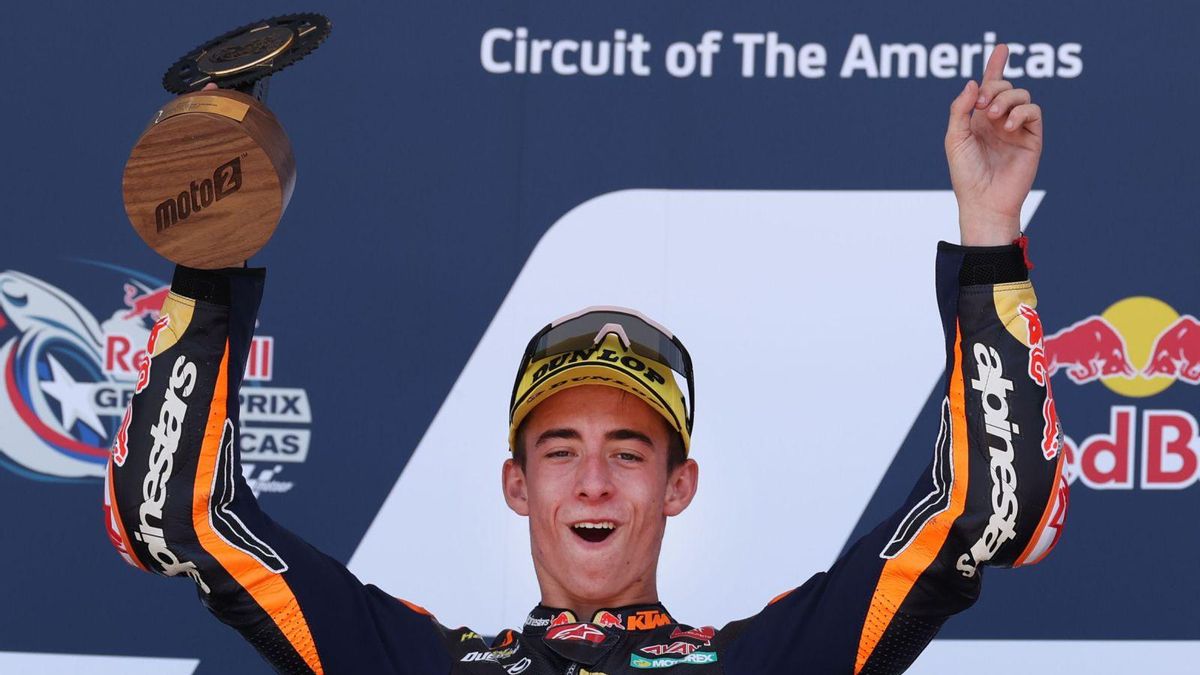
[{"x": 425, "y": 182}]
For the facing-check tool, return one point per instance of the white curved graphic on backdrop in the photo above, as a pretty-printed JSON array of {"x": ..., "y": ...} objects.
[
  {"x": 73, "y": 664},
  {"x": 45, "y": 315},
  {"x": 812, "y": 321},
  {"x": 813, "y": 324}
]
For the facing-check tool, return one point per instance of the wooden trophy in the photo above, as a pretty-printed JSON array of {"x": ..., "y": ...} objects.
[{"x": 210, "y": 177}]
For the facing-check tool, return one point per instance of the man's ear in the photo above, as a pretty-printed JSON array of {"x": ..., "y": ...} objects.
[
  {"x": 515, "y": 493},
  {"x": 681, "y": 487}
]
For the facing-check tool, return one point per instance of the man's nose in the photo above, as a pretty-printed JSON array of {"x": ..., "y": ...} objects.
[{"x": 594, "y": 480}]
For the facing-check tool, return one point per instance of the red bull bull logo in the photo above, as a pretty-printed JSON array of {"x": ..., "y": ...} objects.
[
  {"x": 1090, "y": 349},
  {"x": 607, "y": 619},
  {"x": 144, "y": 301},
  {"x": 1138, "y": 347},
  {"x": 1176, "y": 352}
]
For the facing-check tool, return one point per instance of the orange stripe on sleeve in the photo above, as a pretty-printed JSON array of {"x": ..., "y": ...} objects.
[
  {"x": 900, "y": 574},
  {"x": 268, "y": 589},
  {"x": 415, "y": 607},
  {"x": 780, "y": 597}
]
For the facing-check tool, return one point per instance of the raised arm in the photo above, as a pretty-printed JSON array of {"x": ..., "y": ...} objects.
[
  {"x": 993, "y": 493},
  {"x": 176, "y": 502}
]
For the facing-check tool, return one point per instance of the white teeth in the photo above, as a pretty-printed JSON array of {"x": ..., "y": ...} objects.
[{"x": 603, "y": 525}]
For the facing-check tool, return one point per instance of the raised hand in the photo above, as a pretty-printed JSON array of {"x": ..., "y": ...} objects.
[{"x": 993, "y": 143}]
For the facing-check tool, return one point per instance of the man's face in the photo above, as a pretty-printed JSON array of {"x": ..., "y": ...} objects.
[{"x": 597, "y": 493}]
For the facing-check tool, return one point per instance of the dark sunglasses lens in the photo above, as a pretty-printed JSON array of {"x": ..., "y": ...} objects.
[{"x": 580, "y": 333}]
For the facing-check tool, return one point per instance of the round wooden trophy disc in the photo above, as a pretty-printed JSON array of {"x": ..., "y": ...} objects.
[{"x": 209, "y": 179}]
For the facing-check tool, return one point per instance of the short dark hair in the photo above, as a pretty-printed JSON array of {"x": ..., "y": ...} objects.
[{"x": 676, "y": 455}]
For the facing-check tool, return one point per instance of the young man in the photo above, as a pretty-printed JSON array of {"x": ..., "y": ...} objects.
[{"x": 600, "y": 427}]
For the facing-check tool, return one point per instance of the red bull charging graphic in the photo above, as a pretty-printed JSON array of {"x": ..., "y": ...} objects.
[{"x": 1138, "y": 348}]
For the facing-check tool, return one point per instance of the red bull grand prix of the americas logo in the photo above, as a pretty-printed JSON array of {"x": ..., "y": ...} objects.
[
  {"x": 67, "y": 379},
  {"x": 1137, "y": 348}
]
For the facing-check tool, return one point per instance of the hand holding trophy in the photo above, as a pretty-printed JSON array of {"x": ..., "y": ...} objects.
[{"x": 210, "y": 177}]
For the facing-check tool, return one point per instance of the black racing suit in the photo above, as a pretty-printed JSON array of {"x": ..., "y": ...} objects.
[{"x": 176, "y": 504}]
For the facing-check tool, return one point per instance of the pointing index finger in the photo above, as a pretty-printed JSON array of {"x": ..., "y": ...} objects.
[{"x": 995, "y": 65}]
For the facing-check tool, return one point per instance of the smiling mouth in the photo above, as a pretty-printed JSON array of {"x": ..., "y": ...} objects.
[{"x": 594, "y": 531}]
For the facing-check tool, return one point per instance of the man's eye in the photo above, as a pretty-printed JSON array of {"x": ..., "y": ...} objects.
[
  {"x": 554, "y": 454},
  {"x": 629, "y": 457}
]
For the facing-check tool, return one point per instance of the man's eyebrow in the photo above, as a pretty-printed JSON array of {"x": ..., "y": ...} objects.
[
  {"x": 628, "y": 435},
  {"x": 562, "y": 432}
]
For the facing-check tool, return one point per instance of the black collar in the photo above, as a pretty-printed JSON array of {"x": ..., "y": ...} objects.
[{"x": 629, "y": 617}]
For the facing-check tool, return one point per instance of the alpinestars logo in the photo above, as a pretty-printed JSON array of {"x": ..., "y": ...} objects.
[
  {"x": 1001, "y": 526},
  {"x": 226, "y": 180},
  {"x": 576, "y": 631},
  {"x": 166, "y": 432}
]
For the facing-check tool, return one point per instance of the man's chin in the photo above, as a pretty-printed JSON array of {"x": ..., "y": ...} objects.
[
  {"x": 595, "y": 570},
  {"x": 600, "y": 589}
]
